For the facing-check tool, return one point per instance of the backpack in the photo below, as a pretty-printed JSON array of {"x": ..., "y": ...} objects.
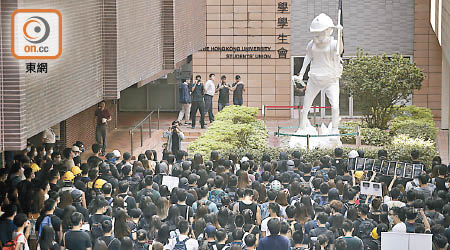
[
  {"x": 264, "y": 210},
  {"x": 11, "y": 245},
  {"x": 140, "y": 246},
  {"x": 365, "y": 229},
  {"x": 46, "y": 221},
  {"x": 180, "y": 245},
  {"x": 96, "y": 229},
  {"x": 216, "y": 197}
]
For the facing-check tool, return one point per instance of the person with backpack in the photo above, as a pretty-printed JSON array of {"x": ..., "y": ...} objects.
[
  {"x": 375, "y": 244},
  {"x": 297, "y": 240},
  {"x": 141, "y": 241},
  {"x": 47, "y": 239},
  {"x": 353, "y": 242},
  {"x": 7, "y": 226},
  {"x": 76, "y": 238},
  {"x": 184, "y": 210},
  {"x": 210, "y": 234},
  {"x": 217, "y": 193},
  {"x": 148, "y": 190},
  {"x": 129, "y": 201},
  {"x": 183, "y": 241},
  {"x": 322, "y": 219},
  {"x": 248, "y": 203},
  {"x": 111, "y": 242},
  {"x": 363, "y": 225},
  {"x": 203, "y": 195},
  {"x": 99, "y": 206},
  {"x": 20, "y": 235},
  {"x": 47, "y": 217}
]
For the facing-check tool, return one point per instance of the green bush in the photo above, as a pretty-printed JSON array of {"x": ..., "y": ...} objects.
[
  {"x": 412, "y": 113},
  {"x": 414, "y": 128},
  {"x": 237, "y": 114},
  {"x": 402, "y": 145},
  {"x": 234, "y": 127}
]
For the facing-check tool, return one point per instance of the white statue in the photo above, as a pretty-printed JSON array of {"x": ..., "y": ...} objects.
[{"x": 323, "y": 52}]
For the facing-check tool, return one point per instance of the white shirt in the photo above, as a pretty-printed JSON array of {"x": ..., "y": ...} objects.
[
  {"x": 264, "y": 227},
  {"x": 210, "y": 89},
  {"x": 49, "y": 136},
  {"x": 399, "y": 228},
  {"x": 22, "y": 240},
  {"x": 191, "y": 244}
]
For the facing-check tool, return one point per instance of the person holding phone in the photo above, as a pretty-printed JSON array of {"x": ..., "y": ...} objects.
[
  {"x": 102, "y": 117},
  {"x": 198, "y": 91}
]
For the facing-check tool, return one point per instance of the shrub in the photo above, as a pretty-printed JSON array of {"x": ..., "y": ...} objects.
[
  {"x": 412, "y": 113},
  {"x": 402, "y": 145},
  {"x": 237, "y": 114},
  {"x": 234, "y": 127},
  {"x": 414, "y": 128},
  {"x": 378, "y": 82}
]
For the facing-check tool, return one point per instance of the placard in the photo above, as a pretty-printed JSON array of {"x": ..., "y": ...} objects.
[
  {"x": 417, "y": 170},
  {"x": 371, "y": 188},
  {"x": 170, "y": 182},
  {"x": 368, "y": 165},
  {"x": 351, "y": 164},
  {"x": 407, "y": 241},
  {"x": 384, "y": 167},
  {"x": 409, "y": 171},
  {"x": 392, "y": 166},
  {"x": 377, "y": 166},
  {"x": 400, "y": 169},
  {"x": 360, "y": 164}
]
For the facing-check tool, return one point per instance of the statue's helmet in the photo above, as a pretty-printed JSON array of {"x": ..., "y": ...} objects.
[{"x": 321, "y": 23}]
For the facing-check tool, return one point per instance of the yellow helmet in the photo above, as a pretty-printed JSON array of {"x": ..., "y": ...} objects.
[
  {"x": 76, "y": 170},
  {"x": 68, "y": 176},
  {"x": 35, "y": 167},
  {"x": 99, "y": 183}
]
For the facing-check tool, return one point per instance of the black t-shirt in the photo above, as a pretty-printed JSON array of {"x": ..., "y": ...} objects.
[
  {"x": 237, "y": 94},
  {"x": 76, "y": 240},
  {"x": 98, "y": 219},
  {"x": 175, "y": 142},
  {"x": 56, "y": 223},
  {"x": 224, "y": 93},
  {"x": 130, "y": 201},
  {"x": 253, "y": 207},
  {"x": 182, "y": 209},
  {"x": 197, "y": 94},
  {"x": 112, "y": 242}
]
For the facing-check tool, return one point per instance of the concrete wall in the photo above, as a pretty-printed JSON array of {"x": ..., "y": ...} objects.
[
  {"x": 445, "y": 36},
  {"x": 249, "y": 23},
  {"x": 373, "y": 25}
]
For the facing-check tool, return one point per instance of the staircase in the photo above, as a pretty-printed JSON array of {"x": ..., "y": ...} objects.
[{"x": 190, "y": 135}]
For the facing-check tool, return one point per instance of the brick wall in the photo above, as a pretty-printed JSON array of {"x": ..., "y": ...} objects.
[
  {"x": 80, "y": 127},
  {"x": 428, "y": 56},
  {"x": 248, "y": 23}
]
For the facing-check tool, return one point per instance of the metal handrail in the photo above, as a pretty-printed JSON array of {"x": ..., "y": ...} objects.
[{"x": 141, "y": 126}]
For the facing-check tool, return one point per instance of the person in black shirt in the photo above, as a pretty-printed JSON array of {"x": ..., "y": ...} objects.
[
  {"x": 198, "y": 91},
  {"x": 76, "y": 238},
  {"x": 238, "y": 90},
  {"x": 112, "y": 242},
  {"x": 224, "y": 93}
]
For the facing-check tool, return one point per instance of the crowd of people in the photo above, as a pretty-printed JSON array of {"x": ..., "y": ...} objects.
[{"x": 52, "y": 199}]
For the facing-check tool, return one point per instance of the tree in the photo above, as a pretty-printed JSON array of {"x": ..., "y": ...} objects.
[{"x": 379, "y": 83}]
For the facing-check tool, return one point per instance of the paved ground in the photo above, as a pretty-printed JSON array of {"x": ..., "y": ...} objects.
[{"x": 120, "y": 138}]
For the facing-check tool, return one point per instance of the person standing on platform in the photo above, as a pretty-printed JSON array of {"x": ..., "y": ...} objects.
[
  {"x": 102, "y": 117},
  {"x": 209, "y": 94},
  {"x": 198, "y": 90},
  {"x": 224, "y": 93},
  {"x": 185, "y": 101},
  {"x": 238, "y": 90}
]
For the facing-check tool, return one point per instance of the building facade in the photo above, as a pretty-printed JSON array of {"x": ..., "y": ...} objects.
[
  {"x": 235, "y": 29},
  {"x": 107, "y": 46}
]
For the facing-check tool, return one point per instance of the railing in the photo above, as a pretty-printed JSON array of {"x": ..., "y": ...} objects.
[
  {"x": 265, "y": 108},
  {"x": 141, "y": 127}
]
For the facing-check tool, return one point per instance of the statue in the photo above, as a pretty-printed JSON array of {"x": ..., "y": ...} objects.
[{"x": 323, "y": 52}]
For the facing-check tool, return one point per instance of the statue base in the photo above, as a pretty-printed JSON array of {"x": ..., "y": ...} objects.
[{"x": 328, "y": 142}]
